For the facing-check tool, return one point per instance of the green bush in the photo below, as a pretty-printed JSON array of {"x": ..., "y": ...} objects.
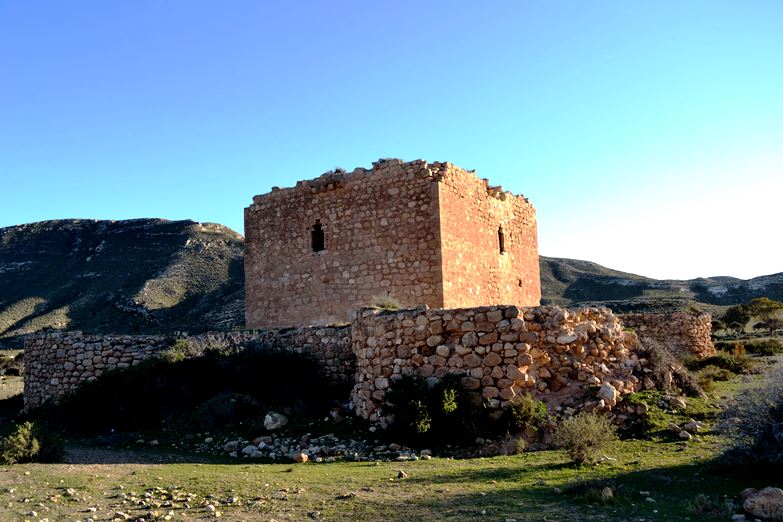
[
  {"x": 177, "y": 352},
  {"x": 445, "y": 413},
  {"x": 31, "y": 442},
  {"x": 585, "y": 436},
  {"x": 405, "y": 400},
  {"x": 715, "y": 373},
  {"x": 763, "y": 347},
  {"x": 523, "y": 412},
  {"x": 726, "y": 361},
  {"x": 709, "y": 374}
]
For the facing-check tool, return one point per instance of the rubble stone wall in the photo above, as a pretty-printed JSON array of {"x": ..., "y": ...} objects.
[
  {"x": 57, "y": 363},
  {"x": 568, "y": 358},
  {"x": 421, "y": 233},
  {"x": 685, "y": 334}
]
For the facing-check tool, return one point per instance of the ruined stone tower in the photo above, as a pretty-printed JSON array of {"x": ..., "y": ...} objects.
[{"x": 418, "y": 232}]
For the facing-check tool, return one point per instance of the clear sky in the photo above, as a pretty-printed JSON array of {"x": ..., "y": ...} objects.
[{"x": 649, "y": 135}]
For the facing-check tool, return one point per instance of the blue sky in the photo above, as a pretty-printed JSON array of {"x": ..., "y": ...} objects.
[{"x": 649, "y": 136}]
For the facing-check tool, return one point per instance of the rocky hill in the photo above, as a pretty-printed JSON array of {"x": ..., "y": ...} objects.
[
  {"x": 153, "y": 275},
  {"x": 570, "y": 281},
  {"x": 144, "y": 275}
]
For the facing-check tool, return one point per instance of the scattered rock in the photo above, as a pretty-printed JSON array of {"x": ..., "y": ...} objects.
[
  {"x": 684, "y": 435},
  {"x": 607, "y": 494},
  {"x": 402, "y": 475}
]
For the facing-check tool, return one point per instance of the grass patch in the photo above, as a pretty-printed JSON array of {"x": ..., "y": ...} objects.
[{"x": 530, "y": 486}]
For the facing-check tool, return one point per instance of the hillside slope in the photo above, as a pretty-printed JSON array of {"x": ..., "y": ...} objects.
[
  {"x": 570, "y": 281},
  {"x": 144, "y": 275}
]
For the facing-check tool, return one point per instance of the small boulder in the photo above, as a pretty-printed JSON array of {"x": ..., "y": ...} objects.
[
  {"x": 274, "y": 420},
  {"x": 684, "y": 435},
  {"x": 608, "y": 393},
  {"x": 766, "y": 503},
  {"x": 677, "y": 403},
  {"x": 567, "y": 339},
  {"x": 607, "y": 494},
  {"x": 300, "y": 457}
]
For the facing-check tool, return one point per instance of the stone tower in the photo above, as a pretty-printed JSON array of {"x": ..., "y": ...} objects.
[{"x": 417, "y": 232}]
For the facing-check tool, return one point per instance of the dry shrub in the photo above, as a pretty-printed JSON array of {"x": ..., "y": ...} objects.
[
  {"x": 585, "y": 437},
  {"x": 668, "y": 372},
  {"x": 753, "y": 420}
]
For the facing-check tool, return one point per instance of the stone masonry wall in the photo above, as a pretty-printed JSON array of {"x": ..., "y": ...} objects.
[
  {"x": 685, "y": 334},
  {"x": 57, "y": 363},
  {"x": 421, "y": 233},
  {"x": 558, "y": 355},
  {"x": 475, "y": 271},
  {"x": 381, "y": 239}
]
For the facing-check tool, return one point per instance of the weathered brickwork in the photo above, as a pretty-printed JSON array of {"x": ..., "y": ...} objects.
[
  {"x": 685, "y": 334},
  {"x": 421, "y": 233},
  {"x": 473, "y": 216},
  {"x": 57, "y": 363},
  {"x": 556, "y": 354}
]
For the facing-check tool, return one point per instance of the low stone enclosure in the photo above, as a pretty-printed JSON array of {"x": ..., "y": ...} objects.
[
  {"x": 57, "y": 363},
  {"x": 572, "y": 359}
]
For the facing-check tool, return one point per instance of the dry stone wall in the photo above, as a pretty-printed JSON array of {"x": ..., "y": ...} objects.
[
  {"x": 685, "y": 334},
  {"x": 560, "y": 356},
  {"x": 572, "y": 359},
  {"x": 57, "y": 363}
]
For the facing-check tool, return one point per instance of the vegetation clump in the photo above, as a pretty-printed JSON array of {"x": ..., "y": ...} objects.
[
  {"x": 762, "y": 347},
  {"x": 386, "y": 302},
  {"x": 31, "y": 442},
  {"x": 445, "y": 412},
  {"x": 733, "y": 363},
  {"x": 585, "y": 437},
  {"x": 525, "y": 412},
  {"x": 753, "y": 421}
]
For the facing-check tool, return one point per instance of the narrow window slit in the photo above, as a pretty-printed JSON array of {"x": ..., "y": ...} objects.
[
  {"x": 501, "y": 240},
  {"x": 318, "y": 237}
]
